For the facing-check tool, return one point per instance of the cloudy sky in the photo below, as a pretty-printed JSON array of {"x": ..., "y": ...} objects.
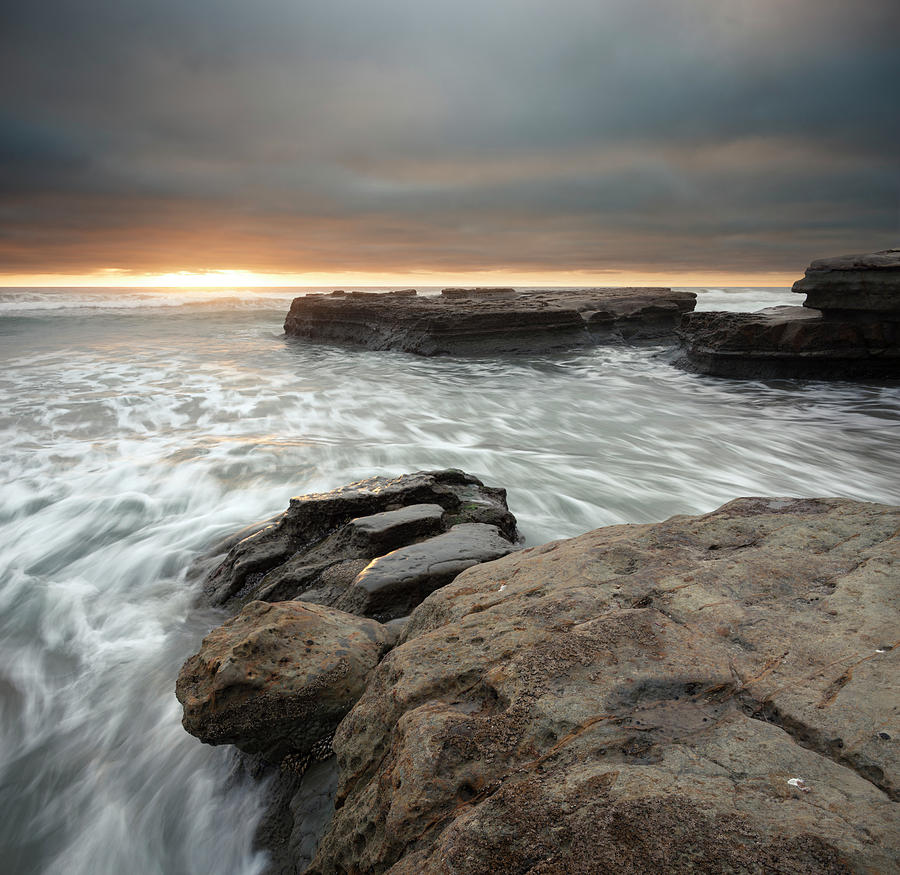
[{"x": 602, "y": 140}]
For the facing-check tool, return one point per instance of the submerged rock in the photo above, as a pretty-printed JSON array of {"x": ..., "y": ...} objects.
[
  {"x": 711, "y": 693},
  {"x": 321, "y": 543},
  {"x": 277, "y": 678},
  {"x": 489, "y": 321},
  {"x": 847, "y": 328}
]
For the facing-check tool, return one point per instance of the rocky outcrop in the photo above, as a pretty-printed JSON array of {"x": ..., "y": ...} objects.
[
  {"x": 277, "y": 678},
  {"x": 790, "y": 342},
  {"x": 479, "y": 293},
  {"x": 708, "y": 694},
  {"x": 488, "y": 321},
  {"x": 848, "y": 327},
  {"x": 853, "y": 284},
  {"x": 316, "y": 548}
]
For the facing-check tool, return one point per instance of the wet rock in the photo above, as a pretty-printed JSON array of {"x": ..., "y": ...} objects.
[
  {"x": 380, "y": 532},
  {"x": 277, "y": 678},
  {"x": 854, "y": 283},
  {"x": 790, "y": 342},
  {"x": 712, "y": 693},
  {"x": 299, "y": 809},
  {"x": 489, "y": 321},
  {"x": 316, "y": 548},
  {"x": 390, "y": 586},
  {"x": 478, "y": 293},
  {"x": 847, "y": 328}
]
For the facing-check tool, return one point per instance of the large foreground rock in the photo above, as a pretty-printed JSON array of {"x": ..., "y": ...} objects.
[
  {"x": 316, "y": 548},
  {"x": 847, "y": 328},
  {"x": 277, "y": 679},
  {"x": 709, "y": 694},
  {"x": 488, "y": 321}
]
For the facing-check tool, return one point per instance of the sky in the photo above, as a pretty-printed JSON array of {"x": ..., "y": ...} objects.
[{"x": 593, "y": 141}]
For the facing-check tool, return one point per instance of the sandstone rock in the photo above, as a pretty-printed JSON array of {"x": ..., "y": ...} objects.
[
  {"x": 790, "y": 342},
  {"x": 280, "y": 691},
  {"x": 868, "y": 283},
  {"x": 489, "y": 321},
  {"x": 277, "y": 678},
  {"x": 392, "y": 585},
  {"x": 709, "y": 694},
  {"x": 318, "y": 546}
]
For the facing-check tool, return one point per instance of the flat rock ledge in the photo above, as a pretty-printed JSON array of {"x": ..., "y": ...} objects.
[
  {"x": 488, "y": 321},
  {"x": 847, "y": 328},
  {"x": 715, "y": 693}
]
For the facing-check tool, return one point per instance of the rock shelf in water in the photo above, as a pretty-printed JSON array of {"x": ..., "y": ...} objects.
[
  {"x": 710, "y": 693},
  {"x": 488, "y": 321},
  {"x": 847, "y": 328}
]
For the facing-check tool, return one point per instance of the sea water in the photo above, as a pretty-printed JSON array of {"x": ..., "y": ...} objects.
[{"x": 139, "y": 426}]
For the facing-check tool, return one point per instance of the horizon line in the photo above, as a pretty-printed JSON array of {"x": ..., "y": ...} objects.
[{"x": 225, "y": 279}]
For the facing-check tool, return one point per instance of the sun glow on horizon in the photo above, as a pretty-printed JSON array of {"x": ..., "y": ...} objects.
[{"x": 229, "y": 278}]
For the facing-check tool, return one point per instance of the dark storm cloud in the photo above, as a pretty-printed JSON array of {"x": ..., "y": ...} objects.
[{"x": 516, "y": 133}]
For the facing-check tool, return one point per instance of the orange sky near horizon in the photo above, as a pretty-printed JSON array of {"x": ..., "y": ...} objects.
[
  {"x": 218, "y": 144},
  {"x": 228, "y": 278}
]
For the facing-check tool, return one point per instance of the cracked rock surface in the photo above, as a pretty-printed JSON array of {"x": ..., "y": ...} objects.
[
  {"x": 276, "y": 678},
  {"x": 713, "y": 693}
]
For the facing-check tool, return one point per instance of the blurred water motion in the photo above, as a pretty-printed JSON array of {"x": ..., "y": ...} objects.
[{"x": 133, "y": 434}]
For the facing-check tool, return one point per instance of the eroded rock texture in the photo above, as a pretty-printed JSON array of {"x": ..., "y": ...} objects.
[
  {"x": 488, "y": 321},
  {"x": 847, "y": 328},
  {"x": 277, "y": 678},
  {"x": 854, "y": 283},
  {"x": 709, "y": 694},
  {"x": 316, "y": 548},
  {"x": 788, "y": 342}
]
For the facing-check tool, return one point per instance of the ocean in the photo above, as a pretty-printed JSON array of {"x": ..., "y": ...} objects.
[{"x": 138, "y": 426}]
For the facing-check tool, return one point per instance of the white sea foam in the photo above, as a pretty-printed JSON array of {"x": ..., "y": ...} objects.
[
  {"x": 26, "y": 300},
  {"x": 129, "y": 445}
]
